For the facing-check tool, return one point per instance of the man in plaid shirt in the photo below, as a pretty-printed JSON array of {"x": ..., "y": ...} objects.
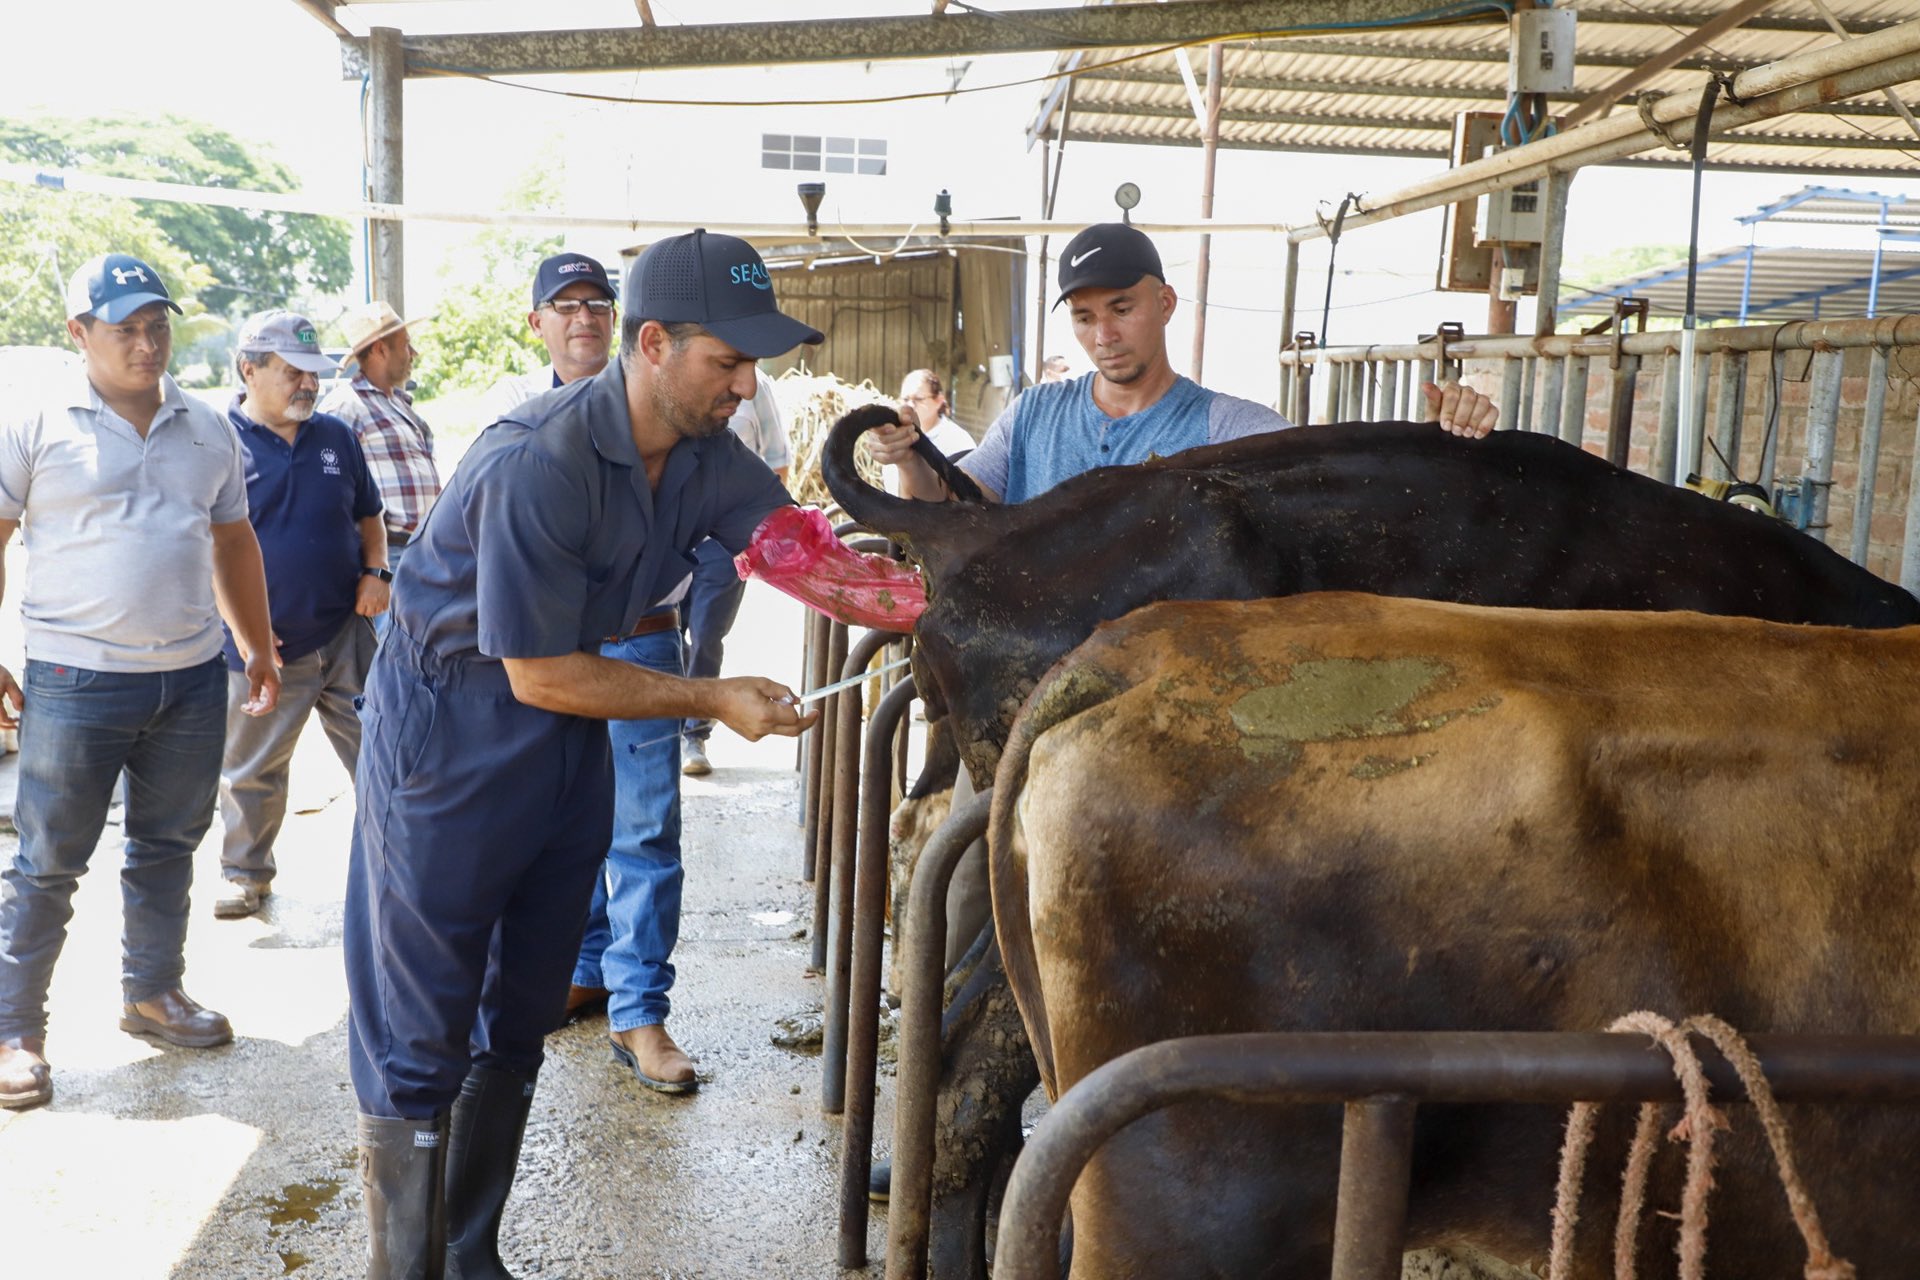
[{"x": 396, "y": 441}]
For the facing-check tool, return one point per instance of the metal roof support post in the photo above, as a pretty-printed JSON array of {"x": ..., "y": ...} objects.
[
  {"x": 1746, "y": 280},
  {"x": 1727, "y": 412},
  {"x": 1211, "y": 149},
  {"x": 1390, "y": 390},
  {"x": 1371, "y": 413},
  {"x": 1336, "y": 373},
  {"x": 1823, "y": 411},
  {"x": 1870, "y": 420},
  {"x": 387, "y": 70},
  {"x": 1626, "y": 381},
  {"x": 1873, "y": 283},
  {"x": 1353, "y": 383},
  {"x": 1546, "y": 306}
]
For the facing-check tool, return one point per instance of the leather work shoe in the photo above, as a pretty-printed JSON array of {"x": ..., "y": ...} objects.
[
  {"x": 584, "y": 1003},
  {"x": 175, "y": 1017},
  {"x": 25, "y": 1080},
  {"x": 693, "y": 759},
  {"x": 241, "y": 900},
  {"x": 651, "y": 1054}
]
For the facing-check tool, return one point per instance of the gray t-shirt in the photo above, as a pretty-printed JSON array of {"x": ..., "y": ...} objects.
[
  {"x": 118, "y": 529},
  {"x": 1055, "y": 431}
]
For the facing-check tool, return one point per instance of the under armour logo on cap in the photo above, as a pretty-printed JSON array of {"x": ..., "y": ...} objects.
[{"x": 113, "y": 286}]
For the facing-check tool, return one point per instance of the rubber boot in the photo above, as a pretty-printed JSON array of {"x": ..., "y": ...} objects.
[
  {"x": 483, "y": 1150},
  {"x": 403, "y": 1166}
]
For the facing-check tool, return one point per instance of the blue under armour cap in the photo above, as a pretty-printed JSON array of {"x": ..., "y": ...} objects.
[
  {"x": 113, "y": 286},
  {"x": 719, "y": 283},
  {"x": 563, "y": 269}
]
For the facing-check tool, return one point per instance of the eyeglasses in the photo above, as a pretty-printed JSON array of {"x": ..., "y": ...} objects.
[{"x": 571, "y": 306}]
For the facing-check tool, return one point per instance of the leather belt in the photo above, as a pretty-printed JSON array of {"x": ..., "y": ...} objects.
[
  {"x": 650, "y": 624},
  {"x": 398, "y": 539}
]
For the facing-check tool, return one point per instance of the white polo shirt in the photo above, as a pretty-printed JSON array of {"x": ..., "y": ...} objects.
[{"x": 118, "y": 529}]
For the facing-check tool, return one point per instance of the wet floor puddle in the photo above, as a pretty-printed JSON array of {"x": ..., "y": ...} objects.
[{"x": 299, "y": 1204}]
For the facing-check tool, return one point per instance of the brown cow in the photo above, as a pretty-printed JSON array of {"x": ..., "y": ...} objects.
[{"x": 1352, "y": 813}]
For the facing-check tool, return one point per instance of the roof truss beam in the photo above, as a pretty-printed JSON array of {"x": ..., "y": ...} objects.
[{"x": 867, "y": 39}]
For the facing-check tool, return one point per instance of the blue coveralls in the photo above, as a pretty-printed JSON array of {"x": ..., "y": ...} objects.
[{"x": 482, "y": 822}]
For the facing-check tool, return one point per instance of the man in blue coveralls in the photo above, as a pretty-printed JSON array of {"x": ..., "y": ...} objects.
[{"x": 485, "y": 784}]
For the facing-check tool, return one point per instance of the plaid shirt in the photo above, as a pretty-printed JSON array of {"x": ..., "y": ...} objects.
[{"x": 398, "y": 446}]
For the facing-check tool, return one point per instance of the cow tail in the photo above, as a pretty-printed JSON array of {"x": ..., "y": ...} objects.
[{"x": 1067, "y": 690}]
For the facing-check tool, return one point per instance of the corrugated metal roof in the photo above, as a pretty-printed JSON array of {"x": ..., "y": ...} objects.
[
  {"x": 1784, "y": 284},
  {"x": 1396, "y": 92}
]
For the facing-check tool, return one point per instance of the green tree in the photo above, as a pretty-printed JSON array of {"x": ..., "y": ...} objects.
[
  {"x": 257, "y": 259},
  {"x": 46, "y": 235},
  {"x": 479, "y": 330},
  {"x": 1597, "y": 270}
]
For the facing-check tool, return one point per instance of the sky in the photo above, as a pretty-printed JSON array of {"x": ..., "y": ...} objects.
[{"x": 268, "y": 72}]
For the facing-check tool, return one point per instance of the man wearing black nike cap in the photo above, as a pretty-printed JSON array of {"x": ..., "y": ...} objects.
[
  {"x": 1133, "y": 406},
  {"x": 486, "y": 779}
]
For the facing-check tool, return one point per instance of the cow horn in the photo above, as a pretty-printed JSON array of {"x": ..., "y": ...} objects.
[{"x": 924, "y": 528}]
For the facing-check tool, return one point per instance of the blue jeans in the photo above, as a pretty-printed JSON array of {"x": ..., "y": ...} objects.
[
  {"x": 713, "y": 602},
  {"x": 79, "y": 731},
  {"x": 634, "y": 920}
]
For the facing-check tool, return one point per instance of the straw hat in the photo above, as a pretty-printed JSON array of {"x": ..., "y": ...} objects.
[{"x": 365, "y": 325}]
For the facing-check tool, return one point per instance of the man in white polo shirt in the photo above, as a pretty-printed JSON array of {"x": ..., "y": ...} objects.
[{"x": 135, "y": 511}]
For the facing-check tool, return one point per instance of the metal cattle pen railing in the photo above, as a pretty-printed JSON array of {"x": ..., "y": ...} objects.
[
  {"x": 1382, "y": 1077},
  {"x": 1545, "y": 384}
]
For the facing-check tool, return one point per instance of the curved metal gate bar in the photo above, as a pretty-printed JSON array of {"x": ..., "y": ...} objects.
[{"x": 1382, "y": 1076}]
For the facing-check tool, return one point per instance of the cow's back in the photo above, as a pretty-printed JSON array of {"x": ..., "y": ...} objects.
[{"x": 1350, "y": 813}]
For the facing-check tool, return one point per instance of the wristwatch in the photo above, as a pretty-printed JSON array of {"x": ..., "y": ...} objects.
[{"x": 373, "y": 571}]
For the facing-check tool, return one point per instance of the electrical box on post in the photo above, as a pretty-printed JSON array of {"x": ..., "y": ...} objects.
[
  {"x": 1516, "y": 215},
  {"x": 1542, "y": 56}
]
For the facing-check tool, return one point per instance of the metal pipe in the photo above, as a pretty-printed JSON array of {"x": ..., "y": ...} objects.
[
  {"x": 1452, "y": 1067},
  {"x": 1546, "y": 306},
  {"x": 1376, "y": 1170},
  {"x": 917, "y": 1088},
  {"x": 1210, "y": 149},
  {"x": 1424, "y": 373},
  {"x": 1510, "y": 371},
  {"x": 1602, "y": 100},
  {"x": 1289, "y": 304},
  {"x": 1823, "y": 413},
  {"x": 1390, "y": 390},
  {"x": 1680, "y": 373},
  {"x": 846, "y": 826},
  {"x": 817, "y": 625},
  {"x": 1353, "y": 393},
  {"x": 1528, "y": 374},
  {"x": 1303, "y": 397},
  {"x": 1694, "y": 408},
  {"x": 1870, "y": 420},
  {"x": 1552, "y": 391},
  {"x": 1370, "y": 411},
  {"x": 1666, "y": 441},
  {"x": 1798, "y": 335},
  {"x": 863, "y": 1028},
  {"x": 824, "y": 871},
  {"x": 1729, "y": 407},
  {"x": 1910, "y": 535},
  {"x": 1626, "y": 378},
  {"x": 1573, "y": 402},
  {"x": 800, "y": 743},
  {"x": 1408, "y": 390},
  {"x": 1828, "y": 73},
  {"x": 1336, "y": 377},
  {"x": 386, "y": 177},
  {"x": 1770, "y": 450}
]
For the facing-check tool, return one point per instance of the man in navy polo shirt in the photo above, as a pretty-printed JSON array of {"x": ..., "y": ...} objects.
[
  {"x": 485, "y": 788},
  {"x": 317, "y": 513}
]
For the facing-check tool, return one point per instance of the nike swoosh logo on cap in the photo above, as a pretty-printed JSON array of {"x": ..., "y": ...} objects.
[{"x": 1074, "y": 262}]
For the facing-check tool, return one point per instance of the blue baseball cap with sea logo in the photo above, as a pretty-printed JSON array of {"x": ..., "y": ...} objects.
[{"x": 719, "y": 283}]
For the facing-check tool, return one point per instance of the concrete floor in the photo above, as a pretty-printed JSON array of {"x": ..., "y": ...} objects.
[{"x": 239, "y": 1161}]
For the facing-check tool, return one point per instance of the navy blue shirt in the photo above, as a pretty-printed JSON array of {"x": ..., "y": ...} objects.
[
  {"x": 305, "y": 500},
  {"x": 548, "y": 539}
]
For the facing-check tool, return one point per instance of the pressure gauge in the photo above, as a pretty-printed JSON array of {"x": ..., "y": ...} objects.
[{"x": 1127, "y": 195}]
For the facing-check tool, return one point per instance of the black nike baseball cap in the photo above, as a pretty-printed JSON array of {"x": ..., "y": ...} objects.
[
  {"x": 1108, "y": 255},
  {"x": 719, "y": 283}
]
